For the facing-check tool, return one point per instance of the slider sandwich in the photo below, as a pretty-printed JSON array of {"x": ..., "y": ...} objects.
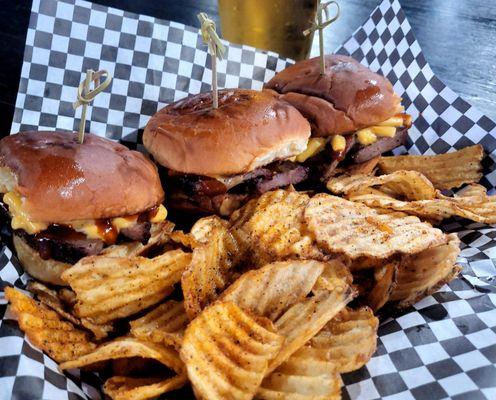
[
  {"x": 66, "y": 200},
  {"x": 354, "y": 113},
  {"x": 216, "y": 159}
]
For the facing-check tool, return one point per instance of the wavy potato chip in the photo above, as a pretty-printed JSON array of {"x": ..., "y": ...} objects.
[
  {"x": 471, "y": 204},
  {"x": 304, "y": 319},
  {"x": 271, "y": 290},
  {"x": 335, "y": 276},
  {"x": 420, "y": 275},
  {"x": 348, "y": 340},
  {"x": 385, "y": 282},
  {"x": 210, "y": 270},
  {"x": 227, "y": 352},
  {"x": 342, "y": 226},
  {"x": 272, "y": 227},
  {"x": 45, "y": 329},
  {"x": 306, "y": 375},
  {"x": 445, "y": 171},
  {"x": 410, "y": 185},
  {"x": 109, "y": 288},
  {"x": 128, "y": 347},
  {"x": 55, "y": 301},
  {"x": 164, "y": 324},
  {"x": 127, "y": 388}
]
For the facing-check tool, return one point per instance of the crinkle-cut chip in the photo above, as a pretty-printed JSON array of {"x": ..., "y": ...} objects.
[
  {"x": 384, "y": 285},
  {"x": 470, "y": 205},
  {"x": 109, "y": 288},
  {"x": 227, "y": 352},
  {"x": 128, "y": 347},
  {"x": 304, "y": 319},
  {"x": 364, "y": 168},
  {"x": 349, "y": 340},
  {"x": 422, "y": 274},
  {"x": 202, "y": 230},
  {"x": 127, "y": 388},
  {"x": 50, "y": 298},
  {"x": 272, "y": 227},
  {"x": 54, "y": 300},
  {"x": 45, "y": 329},
  {"x": 272, "y": 289},
  {"x": 160, "y": 234},
  {"x": 210, "y": 270},
  {"x": 445, "y": 171},
  {"x": 342, "y": 226},
  {"x": 410, "y": 185},
  {"x": 164, "y": 324},
  {"x": 335, "y": 276},
  {"x": 306, "y": 375}
]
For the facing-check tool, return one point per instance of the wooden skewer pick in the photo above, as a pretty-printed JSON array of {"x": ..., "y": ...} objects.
[
  {"x": 216, "y": 49},
  {"x": 319, "y": 25},
  {"x": 86, "y": 96}
]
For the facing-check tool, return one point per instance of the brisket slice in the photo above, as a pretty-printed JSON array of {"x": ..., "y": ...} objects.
[
  {"x": 62, "y": 244},
  {"x": 362, "y": 153},
  {"x": 258, "y": 181}
]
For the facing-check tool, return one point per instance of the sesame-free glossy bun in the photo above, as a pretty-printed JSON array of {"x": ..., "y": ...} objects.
[
  {"x": 62, "y": 180},
  {"x": 249, "y": 129},
  {"x": 349, "y": 96}
]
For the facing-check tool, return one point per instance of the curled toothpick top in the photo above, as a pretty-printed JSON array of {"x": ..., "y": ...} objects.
[
  {"x": 215, "y": 47},
  {"x": 86, "y": 96},
  {"x": 319, "y": 24}
]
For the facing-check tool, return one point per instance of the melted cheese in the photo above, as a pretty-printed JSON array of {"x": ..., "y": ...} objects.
[
  {"x": 338, "y": 143},
  {"x": 21, "y": 220},
  {"x": 366, "y": 136},
  {"x": 315, "y": 145}
]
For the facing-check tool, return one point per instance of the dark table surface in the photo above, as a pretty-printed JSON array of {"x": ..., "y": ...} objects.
[{"x": 457, "y": 36}]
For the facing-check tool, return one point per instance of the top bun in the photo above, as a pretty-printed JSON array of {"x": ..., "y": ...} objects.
[
  {"x": 249, "y": 129},
  {"x": 349, "y": 96},
  {"x": 62, "y": 180}
]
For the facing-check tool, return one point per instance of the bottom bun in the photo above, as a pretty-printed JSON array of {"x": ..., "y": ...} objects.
[{"x": 48, "y": 271}]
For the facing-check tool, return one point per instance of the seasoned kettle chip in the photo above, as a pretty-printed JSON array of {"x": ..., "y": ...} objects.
[
  {"x": 422, "y": 274},
  {"x": 385, "y": 282},
  {"x": 109, "y": 288},
  {"x": 272, "y": 227},
  {"x": 50, "y": 298},
  {"x": 342, "y": 226},
  {"x": 473, "y": 203},
  {"x": 203, "y": 229},
  {"x": 410, "y": 185},
  {"x": 56, "y": 301},
  {"x": 227, "y": 352},
  {"x": 164, "y": 324},
  {"x": 45, "y": 329},
  {"x": 335, "y": 276},
  {"x": 271, "y": 290},
  {"x": 304, "y": 319},
  {"x": 306, "y": 375},
  {"x": 127, "y": 388},
  {"x": 210, "y": 270},
  {"x": 348, "y": 340},
  {"x": 445, "y": 171},
  {"x": 128, "y": 347}
]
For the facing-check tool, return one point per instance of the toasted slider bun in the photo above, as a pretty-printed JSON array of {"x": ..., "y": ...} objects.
[
  {"x": 48, "y": 271},
  {"x": 248, "y": 130},
  {"x": 348, "y": 97},
  {"x": 62, "y": 180}
]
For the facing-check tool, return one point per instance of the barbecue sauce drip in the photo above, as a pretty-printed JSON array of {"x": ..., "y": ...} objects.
[{"x": 107, "y": 231}]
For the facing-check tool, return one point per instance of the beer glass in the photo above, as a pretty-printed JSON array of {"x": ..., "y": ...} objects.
[{"x": 275, "y": 25}]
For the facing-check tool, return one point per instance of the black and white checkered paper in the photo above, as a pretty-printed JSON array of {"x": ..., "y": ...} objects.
[{"x": 443, "y": 347}]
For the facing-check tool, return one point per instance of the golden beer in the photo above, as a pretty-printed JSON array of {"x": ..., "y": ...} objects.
[{"x": 275, "y": 25}]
